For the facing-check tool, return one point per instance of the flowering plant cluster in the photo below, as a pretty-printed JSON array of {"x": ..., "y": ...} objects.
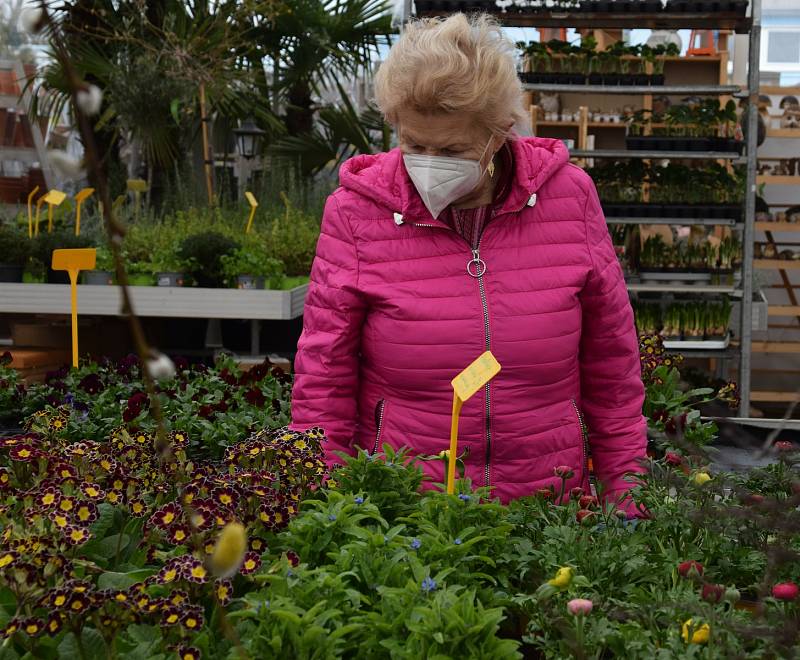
[
  {"x": 211, "y": 404},
  {"x": 100, "y": 537}
]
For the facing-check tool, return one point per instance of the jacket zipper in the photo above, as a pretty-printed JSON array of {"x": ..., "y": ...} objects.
[
  {"x": 378, "y": 423},
  {"x": 584, "y": 437}
]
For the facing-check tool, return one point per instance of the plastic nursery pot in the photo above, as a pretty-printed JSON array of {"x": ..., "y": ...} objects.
[
  {"x": 169, "y": 279},
  {"x": 57, "y": 276},
  {"x": 11, "y": 273},
  {"x": 98, "y": 277},
  {"x": 249, "y": 282},
  {"x": 657, "y": 79}
]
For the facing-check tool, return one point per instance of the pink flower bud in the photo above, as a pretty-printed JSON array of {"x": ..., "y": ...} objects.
[
  {"x": 576, "y": 492},
  {"x": 584, "y": 515},
  {"x": 587, "y": 501},
  {"x": 673, "y": 459},
  {"x": 545, "y": 493},
  {"x": 785, "y": 591},
  {"x": 784, "y": 445},
  {"x": 712, "y": 593},
  {"x": 579, "y": 606},
  {"x": 563, "y": 471},
  {"x": 690, "y": 568}
]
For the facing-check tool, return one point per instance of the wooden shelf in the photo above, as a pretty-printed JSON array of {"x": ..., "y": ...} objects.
[
  {"x": 778, "y": 226},
  {"x": 775, "y": 180},
  {"x": 575, "y": 124},
  {"x": 774, "y": 89},
  {"x": 784, "y": 310},
  {"x": 776, "y": 347},
  {"x": 784, "y": 132},
  {"x": 777, "y": 264},
  {"x": 636, "y": 90},
  {"x": 777, "y": 397}
]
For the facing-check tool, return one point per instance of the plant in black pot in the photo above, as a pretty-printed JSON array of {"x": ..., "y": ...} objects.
[
  {"x": 14, "y": 251},
  {"x": 103, "y": 273},
  {"x": 250, "y": 267},
  {"x": 167, "y": 266},
  {"x": 44, "y": 244},
  {"x": 203, "y": 254}
]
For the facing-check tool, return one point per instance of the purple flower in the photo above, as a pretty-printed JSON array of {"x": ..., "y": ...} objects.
[
  {"x": 457, "y": 541},
  {"x": 359, "y": 500},
  {"x": 331, "y": 517},
  {"x": 428, "y": 585},
  {"x": 464, "y": 498},
  {"x": 416, "y": 544}
]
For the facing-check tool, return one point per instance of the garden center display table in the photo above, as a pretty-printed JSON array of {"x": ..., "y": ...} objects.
[{"x": 155, "y": 301}]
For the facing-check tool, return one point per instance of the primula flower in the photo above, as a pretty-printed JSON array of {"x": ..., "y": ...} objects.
[
  {"x": 178, "y": 597},
  {"x": 11, "y": 627},
  {"x": 32, "y": 627},
  {"x": 251, "y": 563},
  {"x": 54, "y": 624},
  {"x": 563, "y": 578},
  {"x": 171, "y": 616},
  {"x": 224, "y": 591},
  {"x": 59, "y": 519},
  {"x": 48, "y": 497},
  {"x": 699, "y": 634},
  {"x": 227, "y": 497},
  {"x": 78, "y": 603},
  {"x": 785, "y": 591},
  {"x": 8, "y": 558},
  {"x": 58, "y": 598},
  {"x": 137, "y": 508},
  {"x": 194, "y": 571},
  {"x": 578, "y": 606},
  {"x": 85, "y": 512},
  {"x": 76, "y": 535},
  {"x": 178, "y": 534},
  {"x": 92, "y": 491},
  {"x": 188, "y": 653},
  {"x": 5, "y": 478},
  {"x": 165, "y": 516},
  {"x": 193, "y": 618},
  {"x": 167, "y": 574},
  {"x": 690, "y": 568},
  {"x": 23, "y": 453}
]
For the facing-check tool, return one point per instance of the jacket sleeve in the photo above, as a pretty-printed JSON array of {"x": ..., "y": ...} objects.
[
  {"x": 612, "y": 392},
  {"x": 326, "y": 365}
]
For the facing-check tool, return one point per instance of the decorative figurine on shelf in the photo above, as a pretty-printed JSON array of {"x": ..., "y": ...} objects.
[
  {"x": 661, "y": 104},
  {"x": 791, "y": 112},
  {"x": 663, "y": 38},
  {"x": 550, "y": 104}
]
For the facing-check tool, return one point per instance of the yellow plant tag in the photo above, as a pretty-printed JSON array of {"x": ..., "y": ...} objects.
[
  {"x": 84, "y": 194},
  {"x": 73, "y": 261},
  {"x": 81, "y": 197},
  {"x": 475, "y": 376},
  {"x": 251, "y": 199},
  {"x": 137, "y": 185},
  {"x": 55, "y": 197}
]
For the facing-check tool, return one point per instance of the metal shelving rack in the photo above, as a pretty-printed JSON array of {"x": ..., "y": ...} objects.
[{"x": 750, "y": 25}]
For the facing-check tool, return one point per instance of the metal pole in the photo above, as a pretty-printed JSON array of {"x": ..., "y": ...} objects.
[{"x": 746, "y": 333}]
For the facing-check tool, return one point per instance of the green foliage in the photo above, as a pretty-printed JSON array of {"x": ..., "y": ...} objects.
[
  {"x": 14, "y": 245},
  {"x": 203, "y": 254},
  {"x": 251, "y": 260}
]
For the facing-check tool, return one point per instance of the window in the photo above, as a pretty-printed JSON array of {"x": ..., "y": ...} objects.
[{"x": 781, "y": 50}]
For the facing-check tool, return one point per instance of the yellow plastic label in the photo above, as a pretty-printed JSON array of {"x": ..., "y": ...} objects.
[
  {"x": 251, "y": 199},
  {"x": 475, "y": 376},
  {"x": 84, "y": 194},
  {"x": 137, "y": 185},
  {"x": 74, "y": 259},
  {"x": 55, "y": 197}
]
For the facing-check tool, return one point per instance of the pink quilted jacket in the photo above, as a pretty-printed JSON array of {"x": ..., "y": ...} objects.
[{"x": 392, "y": 315}]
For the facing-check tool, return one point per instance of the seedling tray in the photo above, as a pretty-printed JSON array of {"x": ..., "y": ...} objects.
[
  {"x": 659, "y": 143},
  {"x": 674, "y": 275},
  {"x": 698, "y": 344},
  {"x": 688, "y": 211}
]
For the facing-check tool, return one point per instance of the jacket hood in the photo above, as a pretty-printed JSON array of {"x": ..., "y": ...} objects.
[{"x": 382, "y": 177}]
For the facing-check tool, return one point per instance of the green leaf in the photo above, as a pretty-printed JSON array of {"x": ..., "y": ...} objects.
[{"x": 113, "y": 580}]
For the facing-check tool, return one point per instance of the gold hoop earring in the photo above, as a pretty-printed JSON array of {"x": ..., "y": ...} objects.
[{"x": 490, "y": 169}]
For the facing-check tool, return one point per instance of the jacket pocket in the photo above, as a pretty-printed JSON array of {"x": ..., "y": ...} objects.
[
  {"x": 584, "y": 437},
  {"x": 380, "y": 409}
]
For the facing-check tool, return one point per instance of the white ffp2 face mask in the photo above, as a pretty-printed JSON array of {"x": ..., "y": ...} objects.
[{"x": 441, "y": 180}]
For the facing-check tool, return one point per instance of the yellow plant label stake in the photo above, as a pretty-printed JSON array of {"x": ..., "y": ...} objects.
[
  {"x": 53, "y": 198},
  {"x": 80, "y": 198},
  {"x": 73, "y": 261},
  {"x": 466, "y": 384},
  {"x": 31, "y": 195},
  {"x": 253, "y": 205},
  {"x": 137, "y": 187}
]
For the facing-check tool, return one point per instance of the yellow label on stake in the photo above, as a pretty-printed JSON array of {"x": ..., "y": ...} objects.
[
  {"x": 55, "y": 197},
  {"x": 253, "y": 205},
  {"x": 73, "y": 261},
  {"x": 475, "y": 376},
  {"x": 80, "y": 197},
  {"x": 467, "y": 383},
  {"x": 137, "y": 185}
]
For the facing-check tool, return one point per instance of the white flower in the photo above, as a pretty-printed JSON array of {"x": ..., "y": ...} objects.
[
  {"x": 31, "y": 20},
  {"x": 67, "y": 166},
  {"x": 89, "y": 100},
  {"x": 160, "y": 367}
]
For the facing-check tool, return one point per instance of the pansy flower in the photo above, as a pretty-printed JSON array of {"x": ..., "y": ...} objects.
[
  {"x": 251, "y": 563},
  {"x": 166, "y": 516},
  {"x": 223, "y": 590},
  {"x": 76, "y": 535},
  {"x": 192, "y": 618},
  {"x": 92, "y": 490},
  {"x": 85, "y": 512}
]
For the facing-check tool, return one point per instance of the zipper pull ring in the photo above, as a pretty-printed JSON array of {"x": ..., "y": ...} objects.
[{"x": 476, "y": 266}]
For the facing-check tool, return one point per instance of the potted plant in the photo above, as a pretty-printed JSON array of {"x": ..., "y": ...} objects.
[
  {"x": 202, "y": 253},
  {"x": 103, "y": 273},
  {"x": 44, "y": 244},
  {"x": 672, "y": 323},
  {"x": 14, "y": 247},
  {"x": 167, "y": 266},
  {"x": 251, "y": 268}
]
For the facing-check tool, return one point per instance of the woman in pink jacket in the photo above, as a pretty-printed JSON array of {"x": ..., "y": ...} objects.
[{"x": 469, "y": 238}]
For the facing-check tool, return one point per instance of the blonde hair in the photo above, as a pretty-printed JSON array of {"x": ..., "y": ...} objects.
[{"x": 453, "y": 65}]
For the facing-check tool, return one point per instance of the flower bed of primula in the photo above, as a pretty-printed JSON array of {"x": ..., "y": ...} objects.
[{"x": 127, "y": 543}]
